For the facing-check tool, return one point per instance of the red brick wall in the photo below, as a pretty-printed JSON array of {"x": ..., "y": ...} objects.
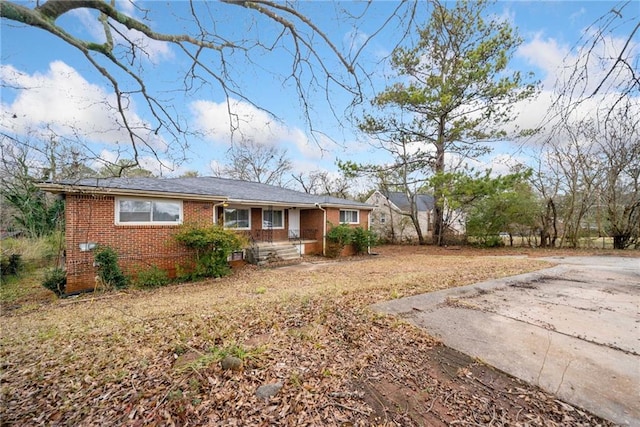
[
  {"x": 333, "y": 219},
  {"x": 278, "y": 234},
  {"x": 91, "y": 219},
  {"x": 314, "y": 218}
]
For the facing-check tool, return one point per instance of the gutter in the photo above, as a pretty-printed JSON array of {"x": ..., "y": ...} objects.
[
  {"x": 72, "y": 189},
  {"x": 369, "y": 230},
  {"x": 324, "y": 229}
]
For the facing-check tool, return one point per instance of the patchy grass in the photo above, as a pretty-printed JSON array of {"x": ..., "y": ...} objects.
[
  {"x": 25, "y": 290},
  {"x": 152, "y": 357}
]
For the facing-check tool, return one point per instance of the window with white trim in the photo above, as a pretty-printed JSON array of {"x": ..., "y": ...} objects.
[
  {"x": 237, "y": 218},
  {"x": 349, "y": 217},
  {"x": 148, "y": 211},
  {"x": 272, "y": 218}
]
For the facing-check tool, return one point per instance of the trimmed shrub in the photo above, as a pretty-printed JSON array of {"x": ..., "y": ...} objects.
[
  {"x": 153, "y": 277},
  {"x": 108, "y": 270},
  {"x": 362, "y": 240},
  {"x": 342, "y": 235},
  {"x": 56, "y": 281},
  {"x": 212, "y": 246}
]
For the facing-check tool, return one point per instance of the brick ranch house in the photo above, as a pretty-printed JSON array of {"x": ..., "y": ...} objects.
[{"x": 138, "y": 216}]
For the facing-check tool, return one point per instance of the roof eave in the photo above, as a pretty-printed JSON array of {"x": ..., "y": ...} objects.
[
  {"x": 84, "y": 189},
  {"x": 87, "y": 189},
  {"x": 294, "y": 204}
]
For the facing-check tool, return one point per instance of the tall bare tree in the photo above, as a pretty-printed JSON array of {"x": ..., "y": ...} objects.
[
  {"x": 573, "y": 159},
  {"x": 24, "y": 206},
  {"x": 215, "y": 56},
  {"x": 606, "y": 65},
  {"x": 321, "y": 182},
  {"x": 249, "y": 160},
  {"x": 619, "y": 146},
  {"x": 594, "y": 136}
]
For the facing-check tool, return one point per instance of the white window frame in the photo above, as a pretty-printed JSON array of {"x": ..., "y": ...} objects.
[
  {"x": 357, "y": 221},
  {"x": 273, "y": 227},
  {"x": 152, "y": 201},
  {"x": 237, "y": 208}
]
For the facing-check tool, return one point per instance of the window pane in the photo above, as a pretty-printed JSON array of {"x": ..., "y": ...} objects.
[
  {"x": 272, "y": 219},
  {"x": 135, "y": 211},
  {"x": 243, "y": 218},
  {"x": 131, "y": 210},
  {"x": 236, "y": 218},
  {"x": 166, "y": 211},
  {"x": 135, "y": 216},
  {"x": 135, "y": 206},
  {"x": 348, "y": 216},
  {"x": 278, "y": 220}
]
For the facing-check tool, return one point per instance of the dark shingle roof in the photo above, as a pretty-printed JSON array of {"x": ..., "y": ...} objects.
[
  {"x": 231, "y": 189},
  {"x": 425, "y": 202}
]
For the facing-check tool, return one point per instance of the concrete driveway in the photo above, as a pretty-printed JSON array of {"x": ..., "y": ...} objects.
[{"x": 573, "y": 329}]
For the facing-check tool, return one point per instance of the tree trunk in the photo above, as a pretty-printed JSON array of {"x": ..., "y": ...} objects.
[
  {"x": 620, "y": 242},
  {"x": 438, "y": 196}
]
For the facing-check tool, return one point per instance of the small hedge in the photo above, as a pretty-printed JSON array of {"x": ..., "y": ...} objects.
[
  {"x": 56, "y": 281},
  {"x": 153, "y": 277},
  {"x": 342, "y": 235},
  {"x": 108, "y": 270},
  {"x": 212, "y": 245}
]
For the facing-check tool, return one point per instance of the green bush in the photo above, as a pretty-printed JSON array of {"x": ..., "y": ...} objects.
[
  {"x": 153, "y": 277},
  {"x": 489, "y": 241},
  {"x": 362, "y": 240},
  {"x": 56, "y": 281},
  {"x": 10, "y": 264},
  {"x": 342, "y": 235},
  {"x": 108, "y": 270},
  {"x": 212, "y": 245}
]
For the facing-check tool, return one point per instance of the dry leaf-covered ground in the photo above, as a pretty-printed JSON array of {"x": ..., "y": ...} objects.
[{"x": 153, "y": 357}]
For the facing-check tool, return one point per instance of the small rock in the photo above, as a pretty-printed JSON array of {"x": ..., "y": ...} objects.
[
  {"x": 268, "y": 390},
  {"x": 231, "y": 363}
]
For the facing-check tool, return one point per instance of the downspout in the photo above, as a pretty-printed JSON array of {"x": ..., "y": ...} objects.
[
  {"x": 369, "y": 230},
  {"x": 324, "y": 229},
  {"x": 215, "y": 211}
]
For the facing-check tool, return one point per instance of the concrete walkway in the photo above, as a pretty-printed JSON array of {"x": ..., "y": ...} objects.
[{"x": 573, "y": 330}]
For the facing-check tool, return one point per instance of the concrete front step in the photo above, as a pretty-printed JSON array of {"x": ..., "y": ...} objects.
[{"x": 268, "y": 253}]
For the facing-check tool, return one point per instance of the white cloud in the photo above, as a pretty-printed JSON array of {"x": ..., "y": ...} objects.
[
  {"x": 545, "y": 54},
  {"x": 578, "y": 14},
  {"x": 354, "y": 40},
  {"x": 158, "y": 166},
  {"x": 581, "y": 68},
  {"x": 62, "y": 102},
  {"x": 221, "y": 123},
  {"x": 128, "y": 6},
  {"x": 155, "y": 51},
  {"x": 499, "y": 164}
]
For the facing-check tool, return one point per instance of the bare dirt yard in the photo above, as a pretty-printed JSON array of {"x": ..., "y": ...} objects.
[{"x": 306, "y": 332}]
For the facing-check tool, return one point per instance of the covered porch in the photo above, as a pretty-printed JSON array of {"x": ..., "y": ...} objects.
[{"x": 301, "y": 227}]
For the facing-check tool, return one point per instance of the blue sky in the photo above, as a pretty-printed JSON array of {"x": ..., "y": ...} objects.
[{"x": 46, "y": 83}]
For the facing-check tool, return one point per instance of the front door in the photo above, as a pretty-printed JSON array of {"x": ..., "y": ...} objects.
[{"x": 294, "y": 223}]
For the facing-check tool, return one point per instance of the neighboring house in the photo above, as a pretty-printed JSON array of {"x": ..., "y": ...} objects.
[
  {"x": 137, "y": 217},
  {"x": 390, "y": 219}
]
